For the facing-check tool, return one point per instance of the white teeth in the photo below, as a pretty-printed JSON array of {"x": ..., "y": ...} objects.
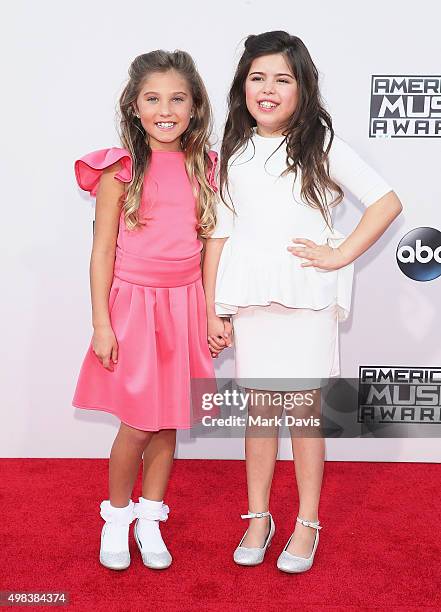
[
  {"x": 164, "y": 124},
  {"x": 267, "y": 104}
]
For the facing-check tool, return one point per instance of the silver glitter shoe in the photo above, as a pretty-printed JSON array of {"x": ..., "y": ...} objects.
[
  {"x": 292, "y": 564},
  {"x": 254, "y": 556},
  {"x": 151, "y": 559},
  {"x": 114, "y": 550}
]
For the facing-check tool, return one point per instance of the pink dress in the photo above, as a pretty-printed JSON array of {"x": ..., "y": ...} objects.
[{"x": 156, "y": 301}]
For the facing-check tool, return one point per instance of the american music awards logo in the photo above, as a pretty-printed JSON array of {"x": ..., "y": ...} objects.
[
  {"x": 390, "y": 394},
  {"x": 404, "y": 106}
]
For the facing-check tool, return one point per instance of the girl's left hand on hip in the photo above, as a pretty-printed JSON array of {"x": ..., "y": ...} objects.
[{"x": 319, "y": 255}]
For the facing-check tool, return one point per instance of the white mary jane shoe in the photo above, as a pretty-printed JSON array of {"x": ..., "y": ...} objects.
[
  {"x": 291, "y": 563},
  {"x": 154, "y": 560},
  {"x": 254, "y": 556},
  {"x": 114, "y": 550}
]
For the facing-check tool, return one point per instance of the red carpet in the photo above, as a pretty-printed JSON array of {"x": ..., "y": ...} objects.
[{"x": 379, "y": 548}]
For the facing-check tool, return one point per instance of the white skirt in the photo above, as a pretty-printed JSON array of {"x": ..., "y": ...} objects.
[{"x": 285, "y": 349}]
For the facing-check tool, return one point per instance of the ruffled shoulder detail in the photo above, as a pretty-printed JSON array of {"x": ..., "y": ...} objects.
[
  {"x": 89, "y": 168},
  {"x": 212, "y": 171}
]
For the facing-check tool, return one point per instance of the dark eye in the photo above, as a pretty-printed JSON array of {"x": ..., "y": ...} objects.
[
  {"x": 256, "y": 78},
  {"x": 283, "y": 80}
]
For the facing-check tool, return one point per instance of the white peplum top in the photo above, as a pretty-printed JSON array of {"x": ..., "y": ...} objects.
[{"x": 255, "y": 267}]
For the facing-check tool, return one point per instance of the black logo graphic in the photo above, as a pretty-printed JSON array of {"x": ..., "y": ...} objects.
[
  {"x": 405, "y": 106},
  {"x": 391, "y": 394}
]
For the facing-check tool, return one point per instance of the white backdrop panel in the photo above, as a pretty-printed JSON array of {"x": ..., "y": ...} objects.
[{"x": 64, "y": 67}]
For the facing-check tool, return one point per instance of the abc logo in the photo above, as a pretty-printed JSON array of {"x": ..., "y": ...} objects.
[{"x": 419, "y": 254}]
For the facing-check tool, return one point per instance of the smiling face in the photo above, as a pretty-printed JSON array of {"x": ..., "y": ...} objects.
[
  {"x": 165, "y": 105},
  {"x": 271, "y": 93}
]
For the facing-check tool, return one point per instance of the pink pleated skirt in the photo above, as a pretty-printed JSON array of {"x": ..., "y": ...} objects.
[{"x": 158, "y": 314}]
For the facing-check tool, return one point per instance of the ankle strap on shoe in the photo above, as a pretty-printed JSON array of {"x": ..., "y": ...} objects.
[
  {"x": 314, "y": 524},
  {"x": 142, "y": 512},
  {"x": 255, "y": 515}
]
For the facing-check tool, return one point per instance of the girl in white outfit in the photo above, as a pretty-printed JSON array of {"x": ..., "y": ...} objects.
[{"x": 277, "y": 267}]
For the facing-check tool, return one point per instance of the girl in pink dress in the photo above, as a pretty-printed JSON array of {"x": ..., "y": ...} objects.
[{"x": 154, "y": 208}]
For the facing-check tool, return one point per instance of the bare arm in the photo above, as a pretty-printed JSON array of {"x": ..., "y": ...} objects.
[
  {"x": 102, "y": 260},
  {"x": 374, "y": 222},
  {"x": 382, "y": 207},
  {"x": 219, "y": 329},
  {"x": 213, "y": 251}
]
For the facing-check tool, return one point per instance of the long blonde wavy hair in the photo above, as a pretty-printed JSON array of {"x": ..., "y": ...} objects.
[{"x": 194, "y": 141}]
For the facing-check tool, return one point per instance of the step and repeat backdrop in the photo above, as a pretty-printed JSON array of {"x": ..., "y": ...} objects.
[{"x": 380, "y": 77}]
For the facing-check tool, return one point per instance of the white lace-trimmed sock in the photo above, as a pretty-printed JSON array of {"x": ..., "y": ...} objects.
[
  {"x": 148, "y": 530},
  {"x": 116, "y": 529}
]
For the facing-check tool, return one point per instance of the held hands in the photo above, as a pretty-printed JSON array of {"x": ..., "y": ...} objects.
[
  {"x": 105, "y": 346},
  {"x": 219, "y": 334},
  {"x": 319, "y": 255}
]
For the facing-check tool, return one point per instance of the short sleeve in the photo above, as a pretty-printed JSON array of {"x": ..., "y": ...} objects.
[
  {"x": 89, "y": 168},
  {"x": 349, "y": 170},
  {"x": 224, "y": 221}
]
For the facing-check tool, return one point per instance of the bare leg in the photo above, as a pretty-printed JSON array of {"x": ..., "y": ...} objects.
[
  {"x": 125, "y": 458},
  {"x": 158, "y": 461},
  {"x": 261, "y": 446},
  {"x": 309, "y": 454}
]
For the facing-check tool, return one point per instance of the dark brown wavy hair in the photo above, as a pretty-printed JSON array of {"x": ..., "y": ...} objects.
[
  {"x": 305, "y": 132},
  {"x": 194, "y": 141}
]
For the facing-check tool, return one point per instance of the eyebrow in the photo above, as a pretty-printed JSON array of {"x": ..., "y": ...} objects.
[
  {"x": 173, "y": 93},
  {"x": 277, "y": 75}
]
